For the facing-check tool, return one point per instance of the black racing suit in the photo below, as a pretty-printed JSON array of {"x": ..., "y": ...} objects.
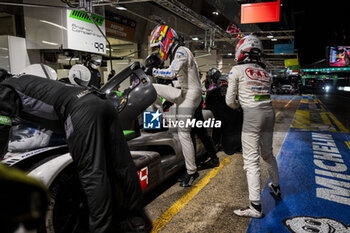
[
  {"x": 203, "y": 134},
  {"x": 95, "y": 140},
  {"x": 95, "y": 78}
]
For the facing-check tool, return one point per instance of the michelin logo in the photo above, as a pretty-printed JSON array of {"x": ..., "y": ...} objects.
[
  {"x": 151, "y": 120},
  {"x": 306, "y": 224}
]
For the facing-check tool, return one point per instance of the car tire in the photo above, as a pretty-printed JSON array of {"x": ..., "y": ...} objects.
[{"x": 67, "y": 211}]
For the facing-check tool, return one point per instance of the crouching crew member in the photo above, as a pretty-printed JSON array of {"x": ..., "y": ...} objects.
[{"x": 95, "y": 140}]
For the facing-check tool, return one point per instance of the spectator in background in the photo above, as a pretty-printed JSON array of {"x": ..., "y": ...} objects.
[{"x": 111, "y": 75}]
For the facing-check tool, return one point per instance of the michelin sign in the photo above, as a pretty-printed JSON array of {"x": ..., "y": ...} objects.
[{"x": 314, "y": 168}]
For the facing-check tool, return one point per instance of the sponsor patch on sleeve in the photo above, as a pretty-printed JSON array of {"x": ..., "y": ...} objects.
[{"x": 4, "y": 120}]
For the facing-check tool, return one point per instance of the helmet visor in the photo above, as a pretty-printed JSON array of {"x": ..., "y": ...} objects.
[{"x": 155, "y": 49}]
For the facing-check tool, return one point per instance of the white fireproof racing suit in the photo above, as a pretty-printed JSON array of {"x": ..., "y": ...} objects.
[
  {"x": 252, "y": 85},
  {"x": 187, "y": 99}
]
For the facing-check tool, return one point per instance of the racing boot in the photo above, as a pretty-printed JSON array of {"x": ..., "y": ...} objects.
[
  {"x": 252, "y": 211},
  {"x": 181, "y": 177},
  {"x": 211, "y": 163},
  {"x": 188, "y": 179},
  {"x": 276, "y": 190},
  {"x": 135, "y": 224}
]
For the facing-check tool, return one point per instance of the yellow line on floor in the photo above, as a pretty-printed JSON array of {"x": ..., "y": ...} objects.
[
  {"x": 303, "y": 120},
  {"x": 340, "y": 126},
  {"x": 160, "y": 222},
  {"x": 285, "y": 106},
  {"x": 288, "y": 102},
  {"x": 348, "y": 144},
  {"x": 335, "y": 120}
]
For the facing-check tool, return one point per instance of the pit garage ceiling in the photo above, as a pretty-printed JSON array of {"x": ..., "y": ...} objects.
[
  {"x": 194, "y": 19},
  {"x": 199, "y": 14}
]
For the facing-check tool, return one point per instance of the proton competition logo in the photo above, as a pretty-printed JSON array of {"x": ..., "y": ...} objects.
[
  {"x": 152, "y": 120},
  {"x": 306, "y": 224}
]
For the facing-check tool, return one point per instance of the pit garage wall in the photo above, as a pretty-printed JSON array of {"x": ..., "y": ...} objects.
[
  {"x": 55, "y": 28},
  {"x": 42, "y": 35},
  {"x": 145, "y": 27},
  {"x": 13, "y": 54},
  {"x": 226, "y": 64}
]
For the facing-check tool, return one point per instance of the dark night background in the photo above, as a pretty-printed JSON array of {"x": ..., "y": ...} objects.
[{"x": 318, "y": 24}]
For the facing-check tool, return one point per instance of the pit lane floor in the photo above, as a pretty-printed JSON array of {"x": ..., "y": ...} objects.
[
  {"x": 208, "y": 205},
  {"x": 314, "y": 167}
]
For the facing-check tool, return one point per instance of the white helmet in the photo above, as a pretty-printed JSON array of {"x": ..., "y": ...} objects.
[
  {"x": 79, "y": 75},
  {"x": 246, "y": 46},
  {"x": 95, "y": 61},
  {"x": 40, "y": 70}
]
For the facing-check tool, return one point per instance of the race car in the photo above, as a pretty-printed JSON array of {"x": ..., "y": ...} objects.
[
  {"x": 157, "y": 155},
  {"x": 287, "y": 89}
]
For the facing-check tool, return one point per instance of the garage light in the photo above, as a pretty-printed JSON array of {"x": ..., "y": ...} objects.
[
  {"x": 48, "y": 42},
  {"x": 121, "y": 8},
  {"x": 229, "y": 54},
  {"x": 327, "y": 88},
  {"x": 215, "y": 13},
  {"x": 346, "y": 88},
  {"x": 53, "y": 24},
  {"x": 195, "y": 38},
  {"x": 274, "y": 39},
  {"x": 270, "y": 36}
]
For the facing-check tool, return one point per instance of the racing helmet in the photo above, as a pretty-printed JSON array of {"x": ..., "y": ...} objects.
[
  {"x": 95, "y": 61},
  {"x": 213, "y": 75},
  {"x": 79, "y": 75},
  {"x": 40, "y": 70},
  {"x": 163, "y": 37},
  {"x": 248, "y": 48}
]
